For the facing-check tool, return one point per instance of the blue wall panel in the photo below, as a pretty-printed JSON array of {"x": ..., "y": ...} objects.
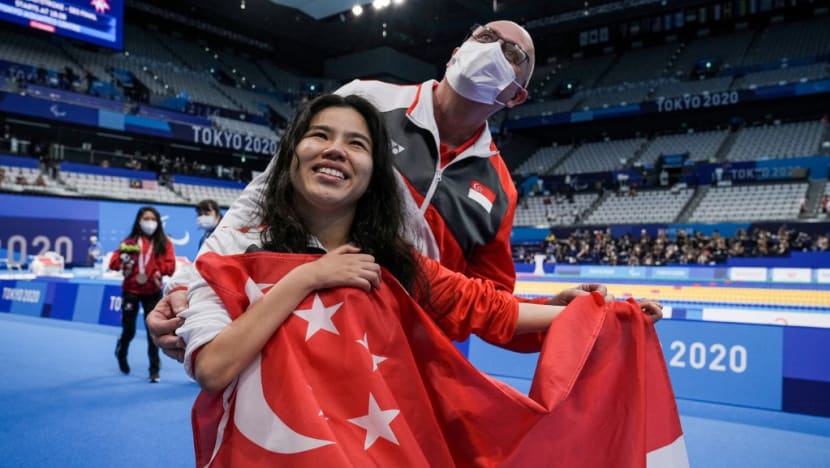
[{"x": 724, "y": 362}]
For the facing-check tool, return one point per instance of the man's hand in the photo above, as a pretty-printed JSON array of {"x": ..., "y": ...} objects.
[
  {"x": 652, "y": 308},
  {"x": 566, "y": 296},
  {"x": 162, "y": 323}
]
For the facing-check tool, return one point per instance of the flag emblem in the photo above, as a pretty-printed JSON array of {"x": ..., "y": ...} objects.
[{"x": 482, "y": 195}]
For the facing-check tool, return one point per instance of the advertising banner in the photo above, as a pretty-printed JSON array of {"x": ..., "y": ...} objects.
[{"x": 724, "y": 363}]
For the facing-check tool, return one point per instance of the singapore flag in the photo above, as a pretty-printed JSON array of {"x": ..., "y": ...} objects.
[{"x": 369, "y": 379}]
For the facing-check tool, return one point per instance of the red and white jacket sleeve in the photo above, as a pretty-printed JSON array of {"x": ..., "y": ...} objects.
[{"x": 462, "y": 306}]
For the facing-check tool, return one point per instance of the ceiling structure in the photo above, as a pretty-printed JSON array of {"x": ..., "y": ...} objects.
[{"x": 303, "y": 33}]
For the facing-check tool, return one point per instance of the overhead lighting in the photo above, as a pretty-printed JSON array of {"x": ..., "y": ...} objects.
[
  {"x": 357, "y": 10},
  {"x": 379, "y": 4},
  {"x": 242, "y": 5}
]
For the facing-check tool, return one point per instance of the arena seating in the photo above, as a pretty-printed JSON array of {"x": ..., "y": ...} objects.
[
  {"x": 777, "y": 141},
  {"x": 756, "y": 202},
  {"x": 647, "y": 206}
]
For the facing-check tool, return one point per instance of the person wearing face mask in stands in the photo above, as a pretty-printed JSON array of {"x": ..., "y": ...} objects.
[
  {"x": 144, "y": 257},
  {"x": 208, "y": 217},
  {"x": 461, "y": 199}
]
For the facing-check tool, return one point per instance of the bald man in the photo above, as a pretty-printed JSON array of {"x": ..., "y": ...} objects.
[{"x": 461, "y": 197}]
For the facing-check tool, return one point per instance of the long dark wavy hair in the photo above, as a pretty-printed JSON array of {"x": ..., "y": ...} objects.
[
  {"x": 378, "y": 221},
  {"x": 159, "y": 238}
]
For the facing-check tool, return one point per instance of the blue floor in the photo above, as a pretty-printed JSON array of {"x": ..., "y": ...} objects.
[{"x": 64, "y": 403}]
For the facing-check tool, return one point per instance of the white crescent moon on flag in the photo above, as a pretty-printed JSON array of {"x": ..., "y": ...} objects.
[{"x": 259, "y": 423}]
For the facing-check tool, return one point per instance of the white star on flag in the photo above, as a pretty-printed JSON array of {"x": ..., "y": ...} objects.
[
  {"x": 377, "y": 423},
  {"x": 318, "y": 317},
  {"x": 375, "y": 358}
]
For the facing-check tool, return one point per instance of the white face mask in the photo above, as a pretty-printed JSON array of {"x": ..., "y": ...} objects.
[
  {"x": 207, "y": 221},
  {"x": 480, "y": 72},
  {"x": 148, "y": 227}
]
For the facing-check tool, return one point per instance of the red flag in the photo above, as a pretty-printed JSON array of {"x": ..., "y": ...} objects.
[{"x": 357, "y": 379}]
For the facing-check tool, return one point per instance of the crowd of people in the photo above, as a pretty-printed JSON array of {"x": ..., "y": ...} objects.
[
  {"x": 599, "y": 247},
  {"x": 165, "y": 166}
]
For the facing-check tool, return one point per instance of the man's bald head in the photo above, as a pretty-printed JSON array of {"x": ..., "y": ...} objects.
[{"x": 519, "y": 35}]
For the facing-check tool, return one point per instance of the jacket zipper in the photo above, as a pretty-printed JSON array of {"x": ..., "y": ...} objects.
[{"x": 433, "y": 186}]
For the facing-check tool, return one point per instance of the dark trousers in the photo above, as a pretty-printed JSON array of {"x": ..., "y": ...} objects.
[{"x": 129, "y": 312}]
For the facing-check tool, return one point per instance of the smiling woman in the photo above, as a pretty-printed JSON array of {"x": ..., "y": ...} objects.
[
  {"x": 332, "y": 188},
  {"x": 332, "y": 167}
]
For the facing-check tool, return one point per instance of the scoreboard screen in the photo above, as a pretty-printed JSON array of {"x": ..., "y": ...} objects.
[{"x": 98, "y": 22}]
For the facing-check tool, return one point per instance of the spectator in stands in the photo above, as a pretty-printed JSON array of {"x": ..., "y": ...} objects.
[
  {"x": 782, "y": 248},
  {"x": 551, "y": 237},
  {"x": 822, "y": 243},
  {"x": 645, "y": 238},
  {"x": 671, "y": 254},
  {"x": 737, "y": 248},
  {"x": 40, "y": 181},
  {"x": 572, "y": 250},
  {"x": 521, "y": 254},
  {"x": 48, "y": 164},
  {"x": 610, "y": 255},
  {"x": 720, "y": 251},
  {"x": 208, "y": 216},
  {"x": 21, "y": 178},
  {"x": 825, "y": 204},
  {"x": 551, "y": 215},
  {"x": 144, "y": 257},
  {"x": 490, "y": 71},
  {"x": 2, "y": 175},
  {"x": 656, "y": 252},
  {"x": 584, "y": 254},
  {"x": 761, "y": 246},
  {"x": 802, "y": 242},
  {"x": 688, "y": 254}
]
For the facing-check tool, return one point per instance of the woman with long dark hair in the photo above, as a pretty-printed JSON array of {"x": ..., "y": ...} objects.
[
  {"x": 144, "y": 257},
  {"x": 305, "y": 332},
  {"x": 376, "y": 218}
]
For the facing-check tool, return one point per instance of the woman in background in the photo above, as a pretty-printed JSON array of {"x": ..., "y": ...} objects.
[
  {"x": 208, "y": 217},
  {"x": 143, "y": 257}
]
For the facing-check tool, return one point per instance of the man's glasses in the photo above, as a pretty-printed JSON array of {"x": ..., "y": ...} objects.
[{"x": 512, "y": 52}]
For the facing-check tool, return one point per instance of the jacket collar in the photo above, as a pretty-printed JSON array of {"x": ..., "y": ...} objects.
[{"x": 421, "y": 113}]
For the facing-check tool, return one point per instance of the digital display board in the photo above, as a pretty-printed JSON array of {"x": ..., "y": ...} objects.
[{"x": 98, "y": 22}]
